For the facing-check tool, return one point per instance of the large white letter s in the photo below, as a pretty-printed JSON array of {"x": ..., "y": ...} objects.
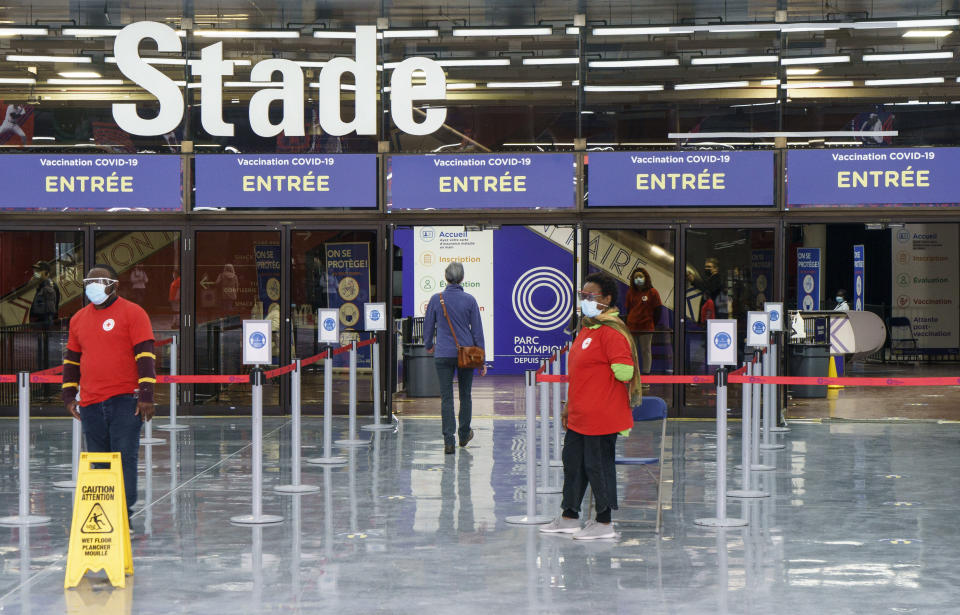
[{"x": 126, "y": 48}]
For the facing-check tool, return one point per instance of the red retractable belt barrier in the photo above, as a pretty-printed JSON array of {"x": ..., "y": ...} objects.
[
  {"x": 368, "y": 342},
  {"x": 864, "y": 382},
  {"x": 313, "y": 359},
  {"x": 286, "y": 369},
  {"x": 211, "y": 379},
  {"x": 162, "y": 342},
  {"x": 8, "y": 378},
  {"x": 56, "y": 369}
]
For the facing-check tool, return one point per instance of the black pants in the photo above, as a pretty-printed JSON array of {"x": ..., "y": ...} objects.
[{"x": 589, "y": 459}]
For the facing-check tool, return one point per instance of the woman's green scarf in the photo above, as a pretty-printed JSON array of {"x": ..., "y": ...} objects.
[{"x": 611, "y": 319}]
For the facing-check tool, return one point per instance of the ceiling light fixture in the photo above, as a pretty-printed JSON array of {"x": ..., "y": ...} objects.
[
  {"x": 496, "y": 85},
  {"x": 806, "y": 85},
  {"x": 533, "y": 31},
  {"x": 622, "y": 88},
  {"x": 641, "y": 30},
  {"x": 815, "y": 60},
  {"x": 634, "y": 63},
  {"x": 80, "y": 74},
  {"x": 898, "y": 57},
  {"x": 7, "y": 32},
  {"x": 927, "y": 33},
  {"x": 802, "y": 71},
  {"x": 464, "y": 85},
  {"x": 60, "y": 59},
  {"x": 912, "y": 81},
  {"x": 85, "y": 81},
  {"x": 549, "y": 61},
  {"x": 411, "y": 33},
  {"x": 711, "y": 86},
  {"x": 18, "y": 80},
  {"x": 248, "y": 33},
  {"x": 711, "y": 60}
]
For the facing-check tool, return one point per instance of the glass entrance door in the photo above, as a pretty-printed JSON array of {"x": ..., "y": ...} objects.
[
  {"x": 332, "y": 268},
  {"x": 148, "y": 265},
  {"x": 40, "y": 289},
  {"x": 237, "y": 277},
  {"x": 728, "y": 272},
  {"x": 643, "y": 262}
]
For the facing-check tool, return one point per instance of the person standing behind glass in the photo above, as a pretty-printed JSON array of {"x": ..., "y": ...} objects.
[
  {"x": 842, "y": 305},
  {"x": 464, "y": 315},
  {"x": 643, "y": 311}
]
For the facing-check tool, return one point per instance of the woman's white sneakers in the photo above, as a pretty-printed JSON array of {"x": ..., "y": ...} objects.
[
  {"x": 561, "y": 525},
  {"x": 591, "y": 531},
  {"x": 594, "y": 531}
]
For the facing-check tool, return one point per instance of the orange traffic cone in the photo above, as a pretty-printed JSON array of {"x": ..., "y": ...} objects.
[{"x": 835, "y": 361}]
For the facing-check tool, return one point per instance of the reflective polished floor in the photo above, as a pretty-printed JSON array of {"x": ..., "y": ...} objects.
[{"x": 861, "y": 518}]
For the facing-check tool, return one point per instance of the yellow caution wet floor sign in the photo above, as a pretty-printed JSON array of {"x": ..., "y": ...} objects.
[{"x": 100, "y": 532}]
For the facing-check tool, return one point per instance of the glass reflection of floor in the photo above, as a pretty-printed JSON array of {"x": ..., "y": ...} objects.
[{"x": 860, "y": 519}]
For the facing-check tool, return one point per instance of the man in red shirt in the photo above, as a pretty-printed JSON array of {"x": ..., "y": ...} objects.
[{"x": 109, "y": 360}]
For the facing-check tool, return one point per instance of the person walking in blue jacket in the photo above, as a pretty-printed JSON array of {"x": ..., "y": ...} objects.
[{"x": 464, "y": 315}]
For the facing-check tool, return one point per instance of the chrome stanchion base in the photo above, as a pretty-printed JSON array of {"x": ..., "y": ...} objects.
[
  {"x": 747, "y": 493},
  {"x": 24, "y": 520},
  {"x": 351, "y": 443},
  {"x": 378, "y": 427},
  {"x": 261, "y": 520},
  {"x": 714, "y": 522},
  {"x": 525, "y": 520},
  {"x": 760, "y": 467},
  {"x": 296, "y": 489},
  {"x": 169, "y": 427},
  {"x": 772, "y": 447},
  {"x": 151, "y": 441},
  {"x": 779, "y": 429},
  {"x": 326, "y": 460},
  {"x": 65, "y": 484}
]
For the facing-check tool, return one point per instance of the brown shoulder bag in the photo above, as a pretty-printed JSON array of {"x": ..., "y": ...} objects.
[{"x": 468, "y": 357}]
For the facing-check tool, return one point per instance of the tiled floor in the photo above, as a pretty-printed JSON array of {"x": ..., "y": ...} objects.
[{"x": 861, "y": 519}]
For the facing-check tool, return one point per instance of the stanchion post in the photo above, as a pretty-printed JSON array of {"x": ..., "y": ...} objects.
[
  {"x": 377, "y": 395},
  {"x": 721, "y": 519},
  {"x": 295, "y": 487},
  {"x": 544, "y": 393},
  {"x": 328, "y": 458},
  {"x": 530, "y": 402},
  {"x": 757, "y": 410},
  {"x": 746, "y": 442},
  {"x": 257, "y": 517},
  {"x": 23, "y": 445},
  {"x": 769, "y": 418},
  {"x": 555, "y": 460},
  {"x": 352, "y": 439},
  {"x": 172, "y": 425},
  {"x": 778, "y": 410},
  {"x": 74, "y": 459}
]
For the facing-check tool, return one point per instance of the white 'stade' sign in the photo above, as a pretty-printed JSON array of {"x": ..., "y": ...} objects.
[
  {"x": 256, "y": 342},
  {"x": 721, "y": 342},
  {"x": 375, "y": 316},
  {"x": 212, "y": 68},
  {"x": 775, "y": 310},
  {"x": 758, "y": 329},
  {"x": 328, "y": 326}
]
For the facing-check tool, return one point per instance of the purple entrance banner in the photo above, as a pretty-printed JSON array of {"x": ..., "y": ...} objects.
[
  {"x": 85, "y": 182},
  {"x": 286, "y": 180},
  {"x": 485, "y": 181},
  {"x": 666, "y": 179},
  {"x": 873, "y": 177}
]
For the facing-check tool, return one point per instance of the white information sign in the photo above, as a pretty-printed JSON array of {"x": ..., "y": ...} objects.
[
  {"x": 256, "y": 342},
  {"x": 721, "y": 342},
  {"x": 775, "y": 310},
  {"x": 434, "y": 248},
  {"x": 925, "y": 288},
  {"x": 758, "y": 329},
  {"x": 328, "y": 326},
  {"x": 375, "y": 316}
]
